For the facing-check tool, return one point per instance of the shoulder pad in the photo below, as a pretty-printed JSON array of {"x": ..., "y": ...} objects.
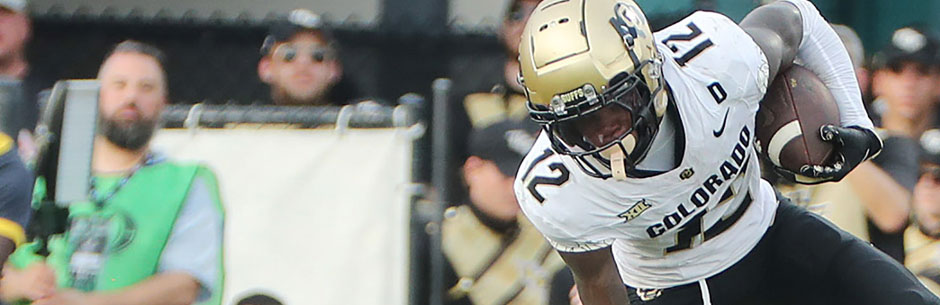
[
  {"x": 560, "y": 206},
  {"x": 709, "y": 47}
]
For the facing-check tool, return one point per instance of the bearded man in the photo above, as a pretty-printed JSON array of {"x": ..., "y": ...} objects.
[{"x": 152, "y": 230}]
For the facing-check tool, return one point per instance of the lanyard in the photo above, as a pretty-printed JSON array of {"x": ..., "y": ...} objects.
[{"x": 100, "y": 200}]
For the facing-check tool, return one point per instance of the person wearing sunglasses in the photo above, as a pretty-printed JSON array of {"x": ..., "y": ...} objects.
[
  {"x": 905, "y": 82},
  {"x": 299, "y": 61},
  {"x": 922, "y": 238}
]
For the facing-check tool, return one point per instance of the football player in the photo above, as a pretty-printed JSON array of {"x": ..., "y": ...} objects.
[{"x": 645, "y": 176}]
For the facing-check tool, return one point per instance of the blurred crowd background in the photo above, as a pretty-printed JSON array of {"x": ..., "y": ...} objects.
[{"x": 452, "y": 63}]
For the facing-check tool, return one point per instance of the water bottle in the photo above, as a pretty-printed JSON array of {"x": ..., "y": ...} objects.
[{"x": 90, "y": 240}]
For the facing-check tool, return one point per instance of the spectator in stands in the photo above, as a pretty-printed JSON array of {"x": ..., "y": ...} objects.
[
  {"x": 503, "y": 97},
  {"x": 16, "y": 186},
  {"x": 496, "y": 256},
  {"x": 20, "y": 113},
  {"x": 510, "y": 34},
  {"x": 507, "y": 96},
  {"x": 922, "y": 238},
  {"x": 300, "y": 64},
  {"x": 165, "y": 216},
  {"x": 872, "y": 202},
  {"x": 905, "y": 82}
]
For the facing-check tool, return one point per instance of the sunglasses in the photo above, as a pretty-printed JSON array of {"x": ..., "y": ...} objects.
[{"x": 289, "y": 53}]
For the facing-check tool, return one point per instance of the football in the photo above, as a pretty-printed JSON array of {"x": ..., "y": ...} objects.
[{"x": 796, "y": 105}]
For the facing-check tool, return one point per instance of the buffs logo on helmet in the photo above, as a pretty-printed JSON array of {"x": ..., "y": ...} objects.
[{"x": 578, "y": 57}]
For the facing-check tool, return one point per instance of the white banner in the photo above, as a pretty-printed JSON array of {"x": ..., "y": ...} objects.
[{"x": 312, "y": 216}]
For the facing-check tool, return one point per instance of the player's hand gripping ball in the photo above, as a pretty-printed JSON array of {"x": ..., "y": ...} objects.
[
  {"x": 854, "y": 145},
  {"x": 798, "y": 129}
]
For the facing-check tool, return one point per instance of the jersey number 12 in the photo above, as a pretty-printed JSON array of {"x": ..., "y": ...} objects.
[
  {"x": 692, "y": 53},
  {"x": 544, "y": 180}
]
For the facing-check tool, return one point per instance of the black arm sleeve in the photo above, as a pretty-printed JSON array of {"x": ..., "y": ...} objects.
[{"x": 898, "y": 158}]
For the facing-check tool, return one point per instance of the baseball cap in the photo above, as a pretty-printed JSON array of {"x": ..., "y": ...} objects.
[
  {"x": 18, "y": 6},
  {"x": 504, "y": 143},
  {"x": 296, "y": 21},
  {"x": 908, "y": 44}
]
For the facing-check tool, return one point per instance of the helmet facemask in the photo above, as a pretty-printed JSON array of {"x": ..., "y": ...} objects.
[{"x": 617, "y": 156}]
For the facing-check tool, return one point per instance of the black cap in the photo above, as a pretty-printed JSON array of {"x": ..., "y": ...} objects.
[
  {"x": 296, "y": 21},
  {"x": 908, "y": 44},
  {"x": 504, "y": 143},
  {"x": 930, "y": 146}
]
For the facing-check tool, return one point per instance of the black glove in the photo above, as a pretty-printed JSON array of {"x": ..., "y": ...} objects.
[{"x": 854, "y": 145}]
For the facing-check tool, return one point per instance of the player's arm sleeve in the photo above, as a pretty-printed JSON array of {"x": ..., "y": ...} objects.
[
  {"x": 822, "y": 52},
  {"x": 16, "y": 187},
  {"x": 195, "y": 244}
]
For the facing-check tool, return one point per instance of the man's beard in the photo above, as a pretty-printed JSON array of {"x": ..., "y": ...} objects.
[{"x": 129, "y": 135}]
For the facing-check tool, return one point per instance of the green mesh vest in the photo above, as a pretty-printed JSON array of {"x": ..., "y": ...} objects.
[{"x": 142, "y": 214}]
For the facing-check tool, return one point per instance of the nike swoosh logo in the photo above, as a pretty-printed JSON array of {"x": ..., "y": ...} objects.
[{"x": 724, "y": 122}]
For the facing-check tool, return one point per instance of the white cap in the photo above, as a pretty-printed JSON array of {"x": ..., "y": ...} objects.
[
  {"x": 909, "y": 40},
  {"x": 18, "y": 6}
]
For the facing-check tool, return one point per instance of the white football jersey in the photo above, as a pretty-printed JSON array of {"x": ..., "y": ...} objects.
[{"x": 685, "y": 224}]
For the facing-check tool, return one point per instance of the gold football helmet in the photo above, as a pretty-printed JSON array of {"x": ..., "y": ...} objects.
[{"x": 579, "y": 56}]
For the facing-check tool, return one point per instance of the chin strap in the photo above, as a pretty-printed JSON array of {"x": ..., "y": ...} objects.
[
  {"x": 617, "y": 156},
  {"x": 617, "y": 167}
]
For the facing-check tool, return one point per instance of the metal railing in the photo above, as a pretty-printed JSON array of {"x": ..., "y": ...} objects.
[{"x": 352, "y": 116}]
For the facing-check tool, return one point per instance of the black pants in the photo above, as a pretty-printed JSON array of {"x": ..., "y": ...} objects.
[{"x": 804, "y": 259}]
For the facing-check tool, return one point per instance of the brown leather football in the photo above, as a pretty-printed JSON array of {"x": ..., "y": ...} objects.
[{"x": 796, "y": 105}]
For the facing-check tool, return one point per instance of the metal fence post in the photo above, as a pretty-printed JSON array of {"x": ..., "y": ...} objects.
[
  {"x": 420, "y": 216},
  {"x": 440, "y": 173}
]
